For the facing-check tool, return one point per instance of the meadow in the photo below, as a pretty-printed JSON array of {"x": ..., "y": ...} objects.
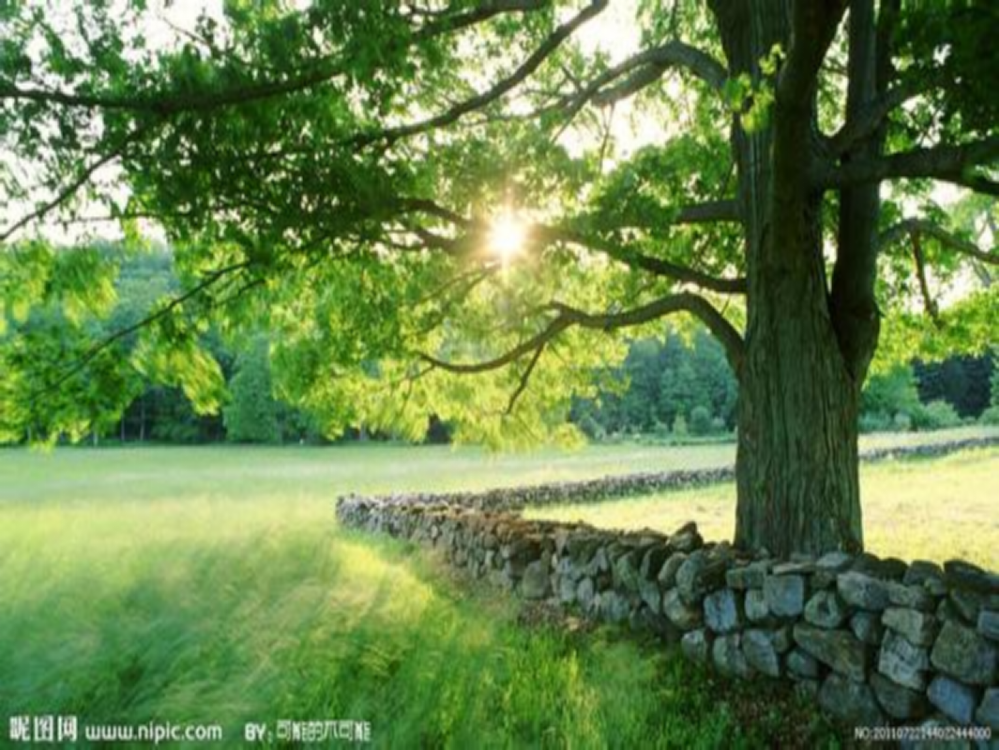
[{"x": 212, "y": 585}]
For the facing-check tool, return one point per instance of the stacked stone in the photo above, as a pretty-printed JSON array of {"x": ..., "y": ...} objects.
[
  {"x": 631, "y": 485},
  {"x": 876, "y": 641}
]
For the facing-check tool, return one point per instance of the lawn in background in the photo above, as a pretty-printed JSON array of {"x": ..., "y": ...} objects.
[{"x": 926, "y": 508}]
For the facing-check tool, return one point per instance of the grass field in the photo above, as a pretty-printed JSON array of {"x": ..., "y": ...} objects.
[
  {"x": 212, "y": 585},
  {"x": 931, "y": 509}
]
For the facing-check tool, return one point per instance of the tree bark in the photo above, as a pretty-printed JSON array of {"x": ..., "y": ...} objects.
[{"x": 796, "y": 463}]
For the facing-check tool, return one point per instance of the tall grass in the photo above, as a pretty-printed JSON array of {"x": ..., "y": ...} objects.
[{"x": 216, "y": 587}]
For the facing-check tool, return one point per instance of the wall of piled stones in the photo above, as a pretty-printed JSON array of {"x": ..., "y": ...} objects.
[
  {"x": 645, "y": 483},
  {"x": 876, "y": 641}
]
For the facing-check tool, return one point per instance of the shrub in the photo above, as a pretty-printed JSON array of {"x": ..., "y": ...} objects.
[
  {"x": 936, "y": 415},
  {"x": 902, "y": 422},
  {"x": 990, "y": 416},
  {"x": 700, "y": 420},
  {"x": 876, "y": 422},
  {"x": 680, "y": 425}
]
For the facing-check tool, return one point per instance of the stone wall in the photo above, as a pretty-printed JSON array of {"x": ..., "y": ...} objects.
[
  {"x": 646, "y": 483},
  {"x": 875, "y": 641}
]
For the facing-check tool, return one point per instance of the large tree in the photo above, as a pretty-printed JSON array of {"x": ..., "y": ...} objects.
[{"x": 339, "y": 172}]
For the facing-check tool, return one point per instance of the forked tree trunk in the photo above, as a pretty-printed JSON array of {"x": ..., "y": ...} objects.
[{"x": 796, "y": 465}]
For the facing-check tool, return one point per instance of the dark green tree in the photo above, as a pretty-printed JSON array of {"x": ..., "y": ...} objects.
[
  {"x": 251, "y": 416},
  {"x": 345, "y": 175}
]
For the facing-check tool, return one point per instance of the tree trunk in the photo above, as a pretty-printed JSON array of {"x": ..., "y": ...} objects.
[{"x": 796, "y": 465}]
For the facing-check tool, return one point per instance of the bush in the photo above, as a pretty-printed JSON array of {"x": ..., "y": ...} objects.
[
  {"x": 936, "y": 415},
  {"x": 700, "y": 420},
  {"x": 902, "y": 422},
  {"x": 876, "y": 422},
  {"x": 990, "y": 416},
  {"x": 680, "y": 426}
]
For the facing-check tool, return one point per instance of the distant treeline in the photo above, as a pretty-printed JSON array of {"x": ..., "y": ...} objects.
[{"x": 676, "y": 385}]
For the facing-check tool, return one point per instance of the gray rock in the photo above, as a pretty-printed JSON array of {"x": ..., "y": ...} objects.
[
  {"x": 963, "y": 575},
  {"x": 566, "y": 590},
  {"x": 836, "y": 648},
  {"x": 947, "y": 612},
  {"x": 653, "y": 560},
  {"x": 849, "y": 701},
  {"x": 834, "y": 562},
  {"x": 956, "y": 701},
  {"x": 968, "y": 604},
  {"x": 866, "y": 626},
  {"x": 585, "y": 591},
  {"x": 756, "y": 606},
  {"x": 902, "y": 662},
  {"x": 920, "y": 571},
  {"x": 898, "y": 702},
  {"x": 758, "y": 647},
  {"x": 748, "y": 576},
  {"x": 785, "y": 595},
  {"x": 826, "y": 610},
  {"x": 613, "y": 606},
  {"x": 799, "y": 567},
  {"x": 988, "y": 624},
  {"x": 918, "y": 628},
  {"x": 728, "y": 657},
  {"x": 802, "y": 664},
  {"x": 863, "y": 591},
  {"x": 987, "y": 714},
  {"x": 625, "y": 572},
  {"x": 963, "y": 654},
  {"x": 695, "y": 645},
  {"x": 782, "y": 639},
  {"x": 913, "y": 597},
  {"x": 679, "y": 613},
  {"x": 667, "y": 574},
  {"x": 649, "y": 593},
  {"x": 535, "y": 583},
  {"x": 686, "y": 539},
  {"x": 721, "y": 613},
  {"x": 702, "y": 572}
]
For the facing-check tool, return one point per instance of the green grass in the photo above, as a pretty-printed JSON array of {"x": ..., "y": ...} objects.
[
  {"x": 213, "y": 585},
  {"x": 931, "y": 509}
]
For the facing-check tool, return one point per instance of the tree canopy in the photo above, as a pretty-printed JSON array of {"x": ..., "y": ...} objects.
[{"x": 335, "y": 170}]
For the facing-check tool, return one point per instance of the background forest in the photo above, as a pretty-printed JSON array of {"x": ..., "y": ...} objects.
[{"x": 674, "y": 387}]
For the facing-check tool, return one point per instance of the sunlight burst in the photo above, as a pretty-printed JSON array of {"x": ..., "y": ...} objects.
[{"x": 507, "y": 234}]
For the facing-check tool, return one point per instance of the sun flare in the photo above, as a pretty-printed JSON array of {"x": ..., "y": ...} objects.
[{"x": 507, "y": 234}]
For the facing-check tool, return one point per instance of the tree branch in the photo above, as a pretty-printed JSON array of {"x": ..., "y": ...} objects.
[
  {"x": 525, "y": 377},
  {"x": 650, "y": 65},
  {"x": 70, "y": 190},
  {"x": 711, "y": 211},
  {"x": 914, "y": 227},
  {"x": 656, "y": 266},
  {"x": 867, "y": 122},
  {"x": 924, "y": 285},
  {"x": 946, "y": 163},
  {"x": 499, "y": 89},
  {"x": 569, "y": 316}
]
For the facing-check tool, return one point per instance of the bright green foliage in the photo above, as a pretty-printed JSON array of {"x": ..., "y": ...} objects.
[
  {"x": 328, "y": 173},
  {"x": 251, "y": 414}
]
